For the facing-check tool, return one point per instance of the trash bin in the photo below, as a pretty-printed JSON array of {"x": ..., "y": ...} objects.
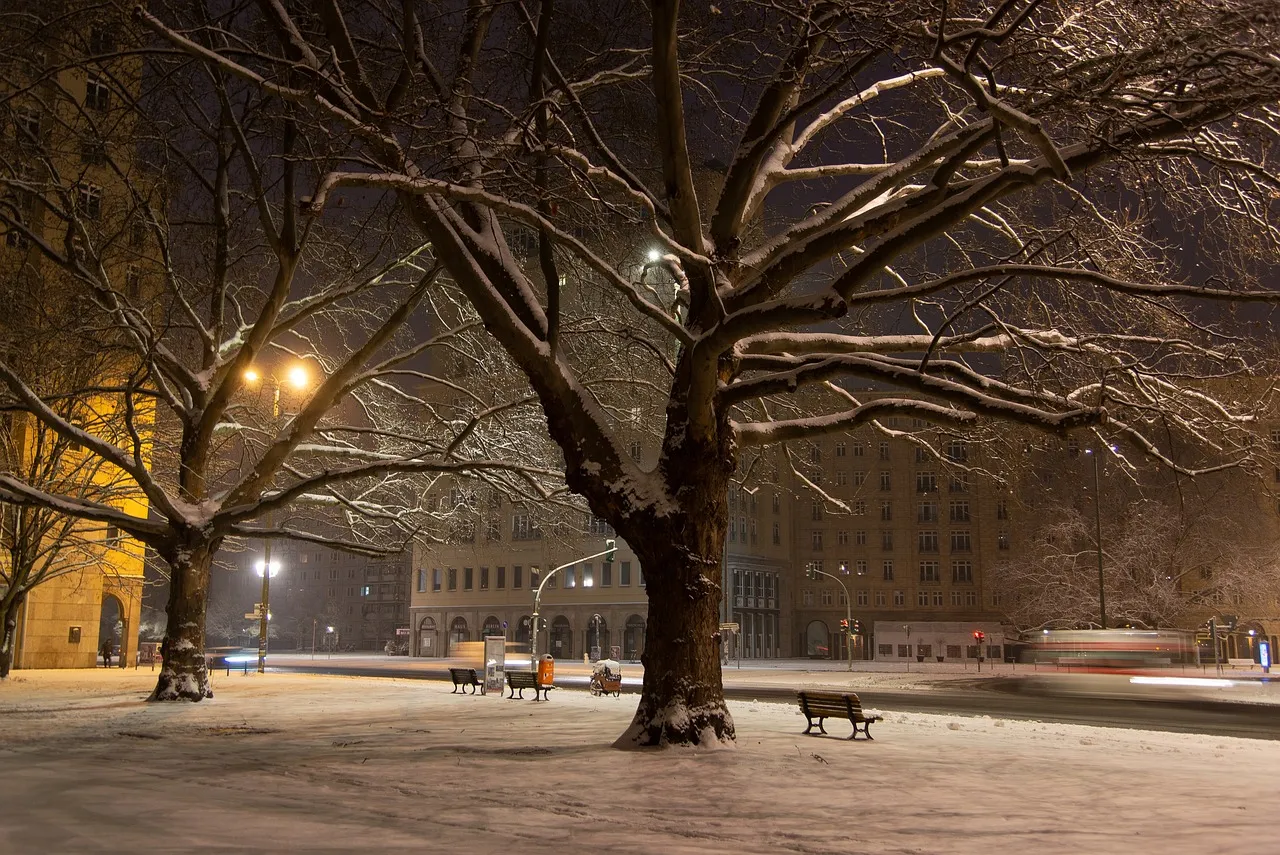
[{"x": 546, "y": 670}]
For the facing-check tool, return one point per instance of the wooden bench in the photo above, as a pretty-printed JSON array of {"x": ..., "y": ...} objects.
[
  {"x": 465, "y": 677},
  {"x": 819, "y": 705},
  {"x": 518, "y": 681}
]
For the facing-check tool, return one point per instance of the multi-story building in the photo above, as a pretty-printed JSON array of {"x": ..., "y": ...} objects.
[
  {"x": 318, "y": 595},
  {"x": 67, "y": 165}
]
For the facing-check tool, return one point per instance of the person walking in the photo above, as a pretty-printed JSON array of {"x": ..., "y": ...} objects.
[{"x": 106, "y": 653}]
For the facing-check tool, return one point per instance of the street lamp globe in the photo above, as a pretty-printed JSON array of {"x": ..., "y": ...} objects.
[{"x": 298, "y": 377}]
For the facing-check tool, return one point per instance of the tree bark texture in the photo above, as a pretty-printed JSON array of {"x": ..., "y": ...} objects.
[
  {"x": 8, "y": 633},
  {"x": 184, "y": 675}
]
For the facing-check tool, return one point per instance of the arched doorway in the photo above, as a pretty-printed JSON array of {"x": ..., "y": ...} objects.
[
  {"x": 111, "y": 628},
  {"x": 427, "y": 635},
  {"x": 561, "y": 638},
  {"x": 493, "y": 626},
  {"x": 816, "y": 640},
  {"x": 633, "y": 638},
  {"x": 522, "y": 630},
  {"x": 598, "y": 637},
  {"x": 458, "y": 631}
]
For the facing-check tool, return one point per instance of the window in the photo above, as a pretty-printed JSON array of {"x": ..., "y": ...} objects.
[
  {"x": 956, "y": 598},
  {"x": 960, "y": 483},
  {"x": 886, "y": 539},
  {"x": 860, "y": 537},
  {"x": 960, "y": 541},
  {"x": 886, "y": 511},
  {"x": 468, "y": 577},
  {"x": 96, "y": 94},
  {"x": 960, "y": 512},
  {"x": 936, "y": 598},
  {"x": 971, "y": 598},
  {"x": 842, "y": 478},
  {"x": 522, "y": 527},
  {"x": 1002, "y": 540},
  {"x": 815, "y": 453},
  {"x": 997, "y": 599},
  {"x": 517, "y": 576},
  {"x": 1073, "y": 446},
  {"x": 859, "y": 449},
  {"x": 570, "y": 577},
  {"x": 922, "y": 454},
  {"x": 899, "y": 598},
  {"x": 926, "y": 482},
  {"x": 89, "y": 201},
  {"x": 904, "y": 651},
  {"x": 860, "y": 566},
  {"x": 500, "y": 581},
  {"x": 962, "y": 571},
  {"x": 422, "y": 581},
  {"x": 842, "y": 538},
  {"x": 635, "y": 451},
  {"x": 453, "y": 578},
  {"x": 777, "y": 504},
  {"x": 598, "y": 525},
  {"x": 929, "y": 571},
  {"x": 588, "y": 576},
  {"x": 366, "y": 591},
  {"x": 843, "y": 599},
  {"x": 101, "y": 39},
  {"x": 484, "y": 578},
  {"x": 777, "y": 534},
  {"x": 1002, "y": 510},
  {"x": 26, "y": 124},
  {"x": 535, "y": 578},
  {"x": 922, "y": 600},
  {"x": 882, "y": 599},
  {"x": 606, "y": 575},
  {"x": 886, "y": 481},
  {"x": 93, "y": 151},
  {"x": 840, "y": 448},
  {"x": 624, "y": 574},
  {"x": 435, "y": 581},
  {"x": 133, "y": 283},
  {"x": 859, "y": 478},
  {"x": 817, "y": 540},
  {"x": 815, "y": 511},
  {"x": 858, "y": 507},
  {"x": 927, "y": 512},
  {"x": 828, "y": 597},
  {"x": 928, "y": 541},
  {"x": 1275, "y": 439},
  {"x": 957, "y": 451},
  {"x": 884, "y": 450},
  {"x": 863, "y": 598},
  {"x": 886, "y": 569}
]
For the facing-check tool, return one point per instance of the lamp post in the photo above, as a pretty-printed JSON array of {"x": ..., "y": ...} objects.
[
  {"x": 328, "y": 634},
  {"x": 1097, "y": 522},
  {"x": 298, "y": 378},
  {"x": 814, "y": 572},
  {"x": 610, "y": 549}
]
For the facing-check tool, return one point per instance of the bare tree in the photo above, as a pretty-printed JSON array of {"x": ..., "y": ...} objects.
[
  {"x": 182, "y": 253},
  {"x": 962, "y": 202}
]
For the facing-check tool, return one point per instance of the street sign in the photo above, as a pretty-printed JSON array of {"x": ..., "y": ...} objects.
[
  {"x": 731, "y": 627},
  {"x": 253, "y": 615}
]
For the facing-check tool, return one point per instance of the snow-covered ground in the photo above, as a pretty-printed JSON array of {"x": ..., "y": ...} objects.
[{"x": 287, "y": 762}]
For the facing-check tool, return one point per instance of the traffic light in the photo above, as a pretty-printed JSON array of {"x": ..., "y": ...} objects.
[
  {"x": 979, "y": 635},
  {"x": 809, "y": 572},
  {"x": 844, "y": 623},
  {"x": 857, "y": 626},
  {"x": 611, "y": 549}
]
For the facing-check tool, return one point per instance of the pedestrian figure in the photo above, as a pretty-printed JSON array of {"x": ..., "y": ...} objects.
[{"x": 106, "y": 653}]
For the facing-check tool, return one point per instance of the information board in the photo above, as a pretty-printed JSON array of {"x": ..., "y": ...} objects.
[{"x": 495, "y": 664}]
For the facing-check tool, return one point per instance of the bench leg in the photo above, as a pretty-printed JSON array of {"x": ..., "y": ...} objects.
[
  {"x": 813, "y": 724},
  {"x": 865, "y": 731}
]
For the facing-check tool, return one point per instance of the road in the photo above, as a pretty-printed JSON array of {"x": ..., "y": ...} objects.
[{"x": 999, "y": 697}]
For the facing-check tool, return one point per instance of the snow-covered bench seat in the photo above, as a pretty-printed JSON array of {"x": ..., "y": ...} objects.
[{"x": 817, "y": 706}]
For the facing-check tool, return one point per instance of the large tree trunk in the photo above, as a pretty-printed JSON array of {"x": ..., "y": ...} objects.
[
  {"x": 8, "y": 632},
  {"x": 183, "y": 674},
  {"x": 682, "y": 556}
]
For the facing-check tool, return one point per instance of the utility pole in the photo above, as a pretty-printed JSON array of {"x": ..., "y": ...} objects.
[
  {"x": 1097, "y": 522},
  {"x": 814, "y": 572}
]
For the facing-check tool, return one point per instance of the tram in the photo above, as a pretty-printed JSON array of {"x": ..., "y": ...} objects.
[{"x": 1112, "y": 648}]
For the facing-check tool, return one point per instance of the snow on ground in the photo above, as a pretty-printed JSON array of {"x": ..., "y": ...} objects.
[{"x": 289, "y": 762}]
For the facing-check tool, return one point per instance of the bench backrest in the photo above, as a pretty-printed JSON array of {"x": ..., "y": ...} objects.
[
  {"x": 830, "y": 702},
  {"x": 521, "y": 679}
]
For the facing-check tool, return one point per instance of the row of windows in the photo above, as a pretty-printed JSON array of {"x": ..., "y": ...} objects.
[
  {"x": 960, "y": 540},
  {"x": 903, "y": 651},
  {"x": 577, "y": 575},
  {"x": 961, "y": 569},
  {"x": 898, "y": 599},
  {"x": 955, "y": 450}
]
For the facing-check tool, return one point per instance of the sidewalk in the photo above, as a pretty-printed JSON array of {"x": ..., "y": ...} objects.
[{"x": 292, "y": 762}]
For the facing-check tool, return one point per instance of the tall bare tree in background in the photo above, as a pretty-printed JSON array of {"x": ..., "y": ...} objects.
[
  {"x": 962, "y": 201},
  {"x": 179, "y": 250}
]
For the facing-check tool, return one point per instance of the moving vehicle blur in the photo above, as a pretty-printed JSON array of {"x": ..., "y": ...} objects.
[{"x": 1112, "y": 648}]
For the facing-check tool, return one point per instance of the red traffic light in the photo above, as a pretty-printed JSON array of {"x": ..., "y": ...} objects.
[
  {"x": 844, "y": 623},
  {"x": 978, "y": 635}
]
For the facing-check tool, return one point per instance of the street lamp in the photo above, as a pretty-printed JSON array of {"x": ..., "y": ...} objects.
[
  {"x": 610, "y": 550},
  {"x": 328, "y": 635},
  {"x": 1097, "y": 522},
  {"x": 298, "y": 378},
  {"x": 813, "y": 573}
]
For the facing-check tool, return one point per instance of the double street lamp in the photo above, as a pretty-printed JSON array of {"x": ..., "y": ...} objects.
[
  {"x": 1097, "y": 522},
  {"x": 297, "y": 377},
  {"x": 813, "y": 573}
]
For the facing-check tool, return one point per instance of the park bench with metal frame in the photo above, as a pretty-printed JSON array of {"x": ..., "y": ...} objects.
[
  {"x": 817, "y": 706},
  {"x": 464, "y": 677},
  {"x": 518, "y": 681}
]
